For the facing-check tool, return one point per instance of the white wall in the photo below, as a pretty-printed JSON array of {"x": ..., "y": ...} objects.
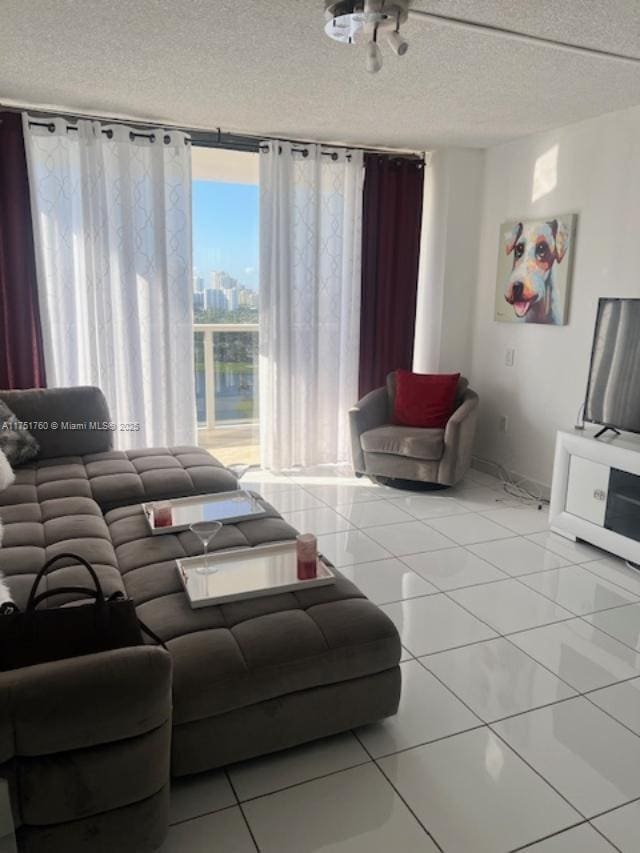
[
  {"x": 448, "y": 261},
  {"x": 597, "y": 176},
  {"x": 221, "y": 164}
]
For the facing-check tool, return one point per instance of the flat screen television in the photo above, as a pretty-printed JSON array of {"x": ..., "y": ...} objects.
[{"x": 613, "y": 388}]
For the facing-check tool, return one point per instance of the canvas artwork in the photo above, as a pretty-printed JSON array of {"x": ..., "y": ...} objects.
[{"x": 535, "y": 269}]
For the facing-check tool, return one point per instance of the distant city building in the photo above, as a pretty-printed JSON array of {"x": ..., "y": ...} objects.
[
  {"x": 221, "y": 280},
  {"x": 231, "y": 295},
  {"x": 215, "y": 300},
  {"x": 225, "y": 293},
  {"x": 247, "y": 298}
]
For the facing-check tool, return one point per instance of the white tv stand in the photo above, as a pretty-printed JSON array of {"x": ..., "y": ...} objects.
[{"x": 595, "y": 495}]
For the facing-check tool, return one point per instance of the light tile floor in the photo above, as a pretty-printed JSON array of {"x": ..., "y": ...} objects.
[{"x": 519, "y": 722}]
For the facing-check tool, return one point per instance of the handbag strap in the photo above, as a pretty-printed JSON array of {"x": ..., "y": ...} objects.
[
  {"x": 47, "y": 566},
  {"x": 147, "y": 630},
  {"x": 64, "y": 590}
]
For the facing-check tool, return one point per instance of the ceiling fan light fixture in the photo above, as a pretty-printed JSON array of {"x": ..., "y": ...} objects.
[
  {"x": 373, "y": 60},
  {"x": 397, "y": 43},
  {"x": 360, "y": 22}
]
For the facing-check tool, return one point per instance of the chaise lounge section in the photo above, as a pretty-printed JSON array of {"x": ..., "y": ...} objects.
[
  {"x": 88, "y": 744},
  {"x": 279, "y": 670}
]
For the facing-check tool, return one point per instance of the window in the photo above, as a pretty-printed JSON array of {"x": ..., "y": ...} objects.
[{"x": 226, "y": 301}]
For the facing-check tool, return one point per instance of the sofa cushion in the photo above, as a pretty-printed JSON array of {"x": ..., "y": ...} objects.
[
  {"x": 251, "y": 650},
  {"x": 37, "y": 530},
  {"x": 116, "y": 478},
  {"x": 55, "y": 505},
  {"x": 416, "y": 442},
  {"x": 64, "y": 421},
  {"x": 119, "y": 478},
  {"x": 46, "y": 479}
]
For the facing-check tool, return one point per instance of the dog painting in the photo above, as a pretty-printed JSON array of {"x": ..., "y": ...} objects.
[{"x": 534, "y": 270}]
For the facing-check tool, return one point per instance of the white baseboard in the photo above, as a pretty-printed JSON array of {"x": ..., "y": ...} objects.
[{"x": 488, "y": 467}]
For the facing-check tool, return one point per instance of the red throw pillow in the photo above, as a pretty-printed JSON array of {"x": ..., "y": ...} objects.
[{"x": 424, "y": 399}]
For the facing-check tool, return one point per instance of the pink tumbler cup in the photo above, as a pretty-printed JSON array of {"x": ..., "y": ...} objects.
[{"x": 307, "y": 550}]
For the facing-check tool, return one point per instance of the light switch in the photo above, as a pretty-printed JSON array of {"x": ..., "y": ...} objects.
[{"x": 510, "y": 357}]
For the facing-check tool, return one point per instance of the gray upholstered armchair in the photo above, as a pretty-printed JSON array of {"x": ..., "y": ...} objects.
[{"x": 387, "y": 452}]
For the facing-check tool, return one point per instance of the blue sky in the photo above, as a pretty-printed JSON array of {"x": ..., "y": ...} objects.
[{"x": 225, "y": 230}]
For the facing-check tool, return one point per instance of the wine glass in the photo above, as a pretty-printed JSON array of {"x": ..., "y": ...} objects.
[{"x": 206, "y": 531}]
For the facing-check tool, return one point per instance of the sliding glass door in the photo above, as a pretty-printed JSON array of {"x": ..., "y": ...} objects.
[{"x": 226, "y": 301}]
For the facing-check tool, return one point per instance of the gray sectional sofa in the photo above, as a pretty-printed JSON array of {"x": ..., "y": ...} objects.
[{"x": 88, "y": 744}]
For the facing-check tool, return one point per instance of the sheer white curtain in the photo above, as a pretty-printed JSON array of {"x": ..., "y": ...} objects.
[
  {"x": 310, "y": 252},
  {"x": 112, "y": 228}
]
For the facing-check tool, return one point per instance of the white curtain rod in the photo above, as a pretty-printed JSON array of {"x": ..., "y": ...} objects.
[{"x": 514, "y": 35}]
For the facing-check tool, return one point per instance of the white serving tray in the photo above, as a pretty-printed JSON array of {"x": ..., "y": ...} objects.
[
  {"x": 247, "y": 573},
  {"x": 227, "y": 507}
]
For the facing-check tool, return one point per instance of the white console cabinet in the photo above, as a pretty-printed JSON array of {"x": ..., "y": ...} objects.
[{"x": 595, "y": 495}]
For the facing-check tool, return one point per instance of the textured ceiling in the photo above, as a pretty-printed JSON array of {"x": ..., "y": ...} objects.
[{"x": 267, "y": 68}]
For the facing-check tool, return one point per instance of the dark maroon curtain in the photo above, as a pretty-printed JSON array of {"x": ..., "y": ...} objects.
[
  {"x": 391, "y": 221},
  {"x": 21, "y": 356}
]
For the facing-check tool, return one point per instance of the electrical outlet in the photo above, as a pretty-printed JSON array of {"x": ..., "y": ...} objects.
[
  {"x": 509, "y": 357},
  {"x": 503, "y": 423}
]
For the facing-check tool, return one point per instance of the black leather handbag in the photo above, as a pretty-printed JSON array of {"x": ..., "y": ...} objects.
[{"x": 43, "y": 635}]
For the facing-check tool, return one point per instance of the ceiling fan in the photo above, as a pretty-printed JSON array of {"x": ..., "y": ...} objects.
[{"x": 364, "y": 22}]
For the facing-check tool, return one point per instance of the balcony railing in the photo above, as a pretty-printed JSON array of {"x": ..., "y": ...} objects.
[{"x": 226, "y": 373}]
